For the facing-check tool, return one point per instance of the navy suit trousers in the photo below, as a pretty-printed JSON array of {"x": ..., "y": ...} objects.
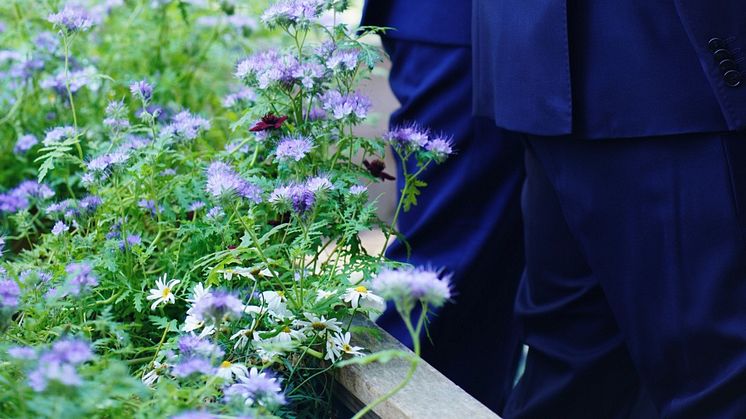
[
  {"x": 468, "y": 221},
  {"x": 635, "y": 277}
]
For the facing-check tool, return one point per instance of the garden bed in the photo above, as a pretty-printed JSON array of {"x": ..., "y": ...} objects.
[{"x": 429, "y": 395}]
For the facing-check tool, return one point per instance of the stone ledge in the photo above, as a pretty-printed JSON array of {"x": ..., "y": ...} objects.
[{"x": 430, "y": 395}]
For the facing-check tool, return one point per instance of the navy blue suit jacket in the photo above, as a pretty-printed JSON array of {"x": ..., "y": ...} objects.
[
  {"x": 445, "y": 22},
  {"x": 607, "y": 68}
]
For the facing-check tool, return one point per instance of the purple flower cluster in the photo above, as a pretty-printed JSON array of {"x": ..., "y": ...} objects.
[
  {"x": 407, "y": 285},
  {"x": 293, "y": 148},
  {"x": 71, "y": 19},
  {"x": 58, "y": 134},
  {"x": 59, "y": 364},
  {"x": 261, "y": 388},
  {"x": 412, "y": 138},
  {"x": 142, "y": 90},
  {"x": 216, "y": 306},
  {"x": 71, "y": 208},
  {"x": 18, "y": 198},
  {"x": 186, "y": 126},
  {"x": 308, "y": 74},
  {"x": 241, "y": 96},
  {"x": 300, "y": 197},
  {"x": 59, "y": 228},
  {"x": 130, "y": 241},
  {"x": 222, "y": 180},
  {"x": 24, "y": 144},
  {"x": 292, "y": 12},
  {"x": 343, "y": 59},
  {"x": 116, "y": 116},
  {"x": 196, "y": 355},
  {"x": 76, "y": 79},
  {"x": 267, "y": 68},
  {"x": 342, "y": 106},
  {"x": 80, "y": 276},
  {"x": 9, "y": 293},
  {"x": 101, "y": 163}
]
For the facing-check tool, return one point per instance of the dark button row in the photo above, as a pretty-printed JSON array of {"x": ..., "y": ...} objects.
[{"x": 724, "y": 59}]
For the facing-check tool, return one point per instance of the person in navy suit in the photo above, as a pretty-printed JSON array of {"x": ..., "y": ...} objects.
[
  {"x": 468, "y": 218},
  {"x": 633, "y": 113}
]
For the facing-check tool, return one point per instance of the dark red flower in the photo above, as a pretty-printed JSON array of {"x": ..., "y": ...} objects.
[
  {"x": 376, "y": 168},
  {"x": 269, "y": 121}
]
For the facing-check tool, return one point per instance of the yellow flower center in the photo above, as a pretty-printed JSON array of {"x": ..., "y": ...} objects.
[
  {"x": 281, "y": 294},
  {"x": 361, "y": 289},
  {"x": 225, "y": 364},
  {"x": 286, "y": 329},
  {"x": 346, "y": 348},
  {"x": 166, "y": 292},
  {"x": 318, "y": 326}
]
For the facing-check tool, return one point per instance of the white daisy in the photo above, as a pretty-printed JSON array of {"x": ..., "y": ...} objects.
[
  {"x": 323, "y": 295},
  {"x": 360, "y": 296},
  {"x": 230, "y": 371},
  {"x": 192, "y": 323},
  {"x": 338, "y": 344},
  {"x": 154, "y": 375},
  {"x": 163, "y": 292},
  {"x": 318, "y": 324}
]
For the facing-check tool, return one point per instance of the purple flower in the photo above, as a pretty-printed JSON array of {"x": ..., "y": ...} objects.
[
  {"x": 293, "y": 148},
  {"x": 358, "y": 190},
  {"x": 308, "y": 74},
  {"x": 186, "y": 126},
  {"x": 222, "y": 180},
  {"x": 215, "y": 306},
  {"x": 409, "y": 136},
  {"x": 148, "y": 204},
  {"x": 17, "y": 199},
  {"x": 116, "y": 116},
  {"x": 215, "y": 213},
  {"x": 76, "y": 79},
  {"x": 142, "y": 90},
  {"x": 407, "y": 285},
  {"x": 22, "y": 352},
  {"x": 131, "y": 241},
  {"x": 341, "y": 106},
  {"x": 190, "y": 366},
  {"x": 58, "y": 364},
  {"x": 64, "y": 374},
  {"x": 343, "y": 59},
  {"x": 59, "y": 228},
  {"x": 58, "y": 134},
  {"x": 90, "y": 203},
  {"x": 194, "y": 346},
  {"x": 47, "y": 41},
  {"x": 24, "y": 144},
  {"x": 71, "y": 19},
  {"x": 71, "y": 351},
  {"x": 257, "y": 387},
  {"x": 292, "y": 12},
  {"x": 316, "y": 114},
  {"x": 298, "y": 197},
  {"x": 440, "y": 147},
  {"x": 196, "y": 205},
  {"x": 9, "y": 293},
  {"x": 266, "y": 68},
  {"x": 319, "y": 183},
  {"x": 242, "y": 96},
  {"x": 80, "y": 276}
]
